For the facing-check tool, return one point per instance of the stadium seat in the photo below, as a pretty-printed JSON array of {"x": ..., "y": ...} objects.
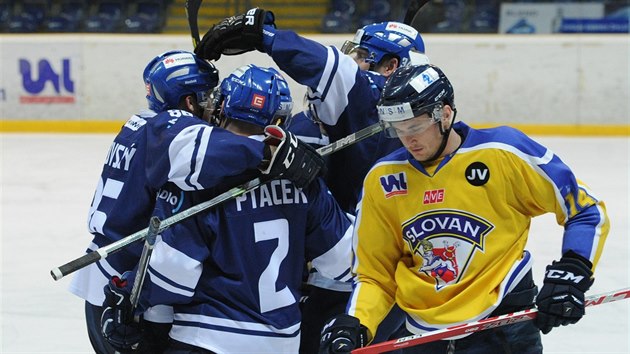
[
  {"x": 148, "y": 17},
  {"x": 28, "y": 16},
  {"x": 379, "y": 11},
  {"x": 107, "y": 17},
  {"x": 6, "y": 7},
  {"x": 68, "y": 19},
  {"x": 340, "y": 18}
]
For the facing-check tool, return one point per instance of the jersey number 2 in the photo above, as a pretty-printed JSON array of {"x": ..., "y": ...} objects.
[{"x": 269, "y": 298}]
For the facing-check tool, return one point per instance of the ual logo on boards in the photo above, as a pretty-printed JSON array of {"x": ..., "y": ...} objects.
[{"x": 36, "y": 77}]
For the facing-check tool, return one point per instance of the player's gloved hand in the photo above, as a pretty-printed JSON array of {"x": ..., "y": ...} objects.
[
  {"x": 235, "y": 35},
  {"x": 342, "y": 334},
  {"x": 291, "y": 158},
  {"x": 117, "y": 322},
  {"x": 561, "y": 300}
]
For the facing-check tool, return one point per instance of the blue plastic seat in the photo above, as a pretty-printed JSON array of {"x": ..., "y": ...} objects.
[
  {"x": 148, "y": 17},
  {"x": 107, "y": 18},
  {"x": 28, "y": 16},
  {"x": 69, "y": 18},
  {"x": 340, "y": 17}
]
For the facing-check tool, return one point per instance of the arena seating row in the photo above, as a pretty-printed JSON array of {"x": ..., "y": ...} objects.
[{"x": 133, "y": 16}]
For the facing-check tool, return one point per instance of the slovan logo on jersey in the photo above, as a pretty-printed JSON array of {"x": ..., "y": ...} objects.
[
  {"x": 394, "y": 184},
  {"x": 446, "y": 240}
]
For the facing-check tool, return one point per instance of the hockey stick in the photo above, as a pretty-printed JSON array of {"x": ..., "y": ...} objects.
[
  {"x": 143, "y": 264},
  {"x": 100, "y": 253},
  {"x": 192, "y": 11},
  {"x": 481, "y": 325},
  {"x": 412, "y": 11}
]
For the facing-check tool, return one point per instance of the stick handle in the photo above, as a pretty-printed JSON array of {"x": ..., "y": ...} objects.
[
  {"x": 89, "y": 258},
  {"x": 192, "y": 10},
  {"x": 143, "y": 264}
]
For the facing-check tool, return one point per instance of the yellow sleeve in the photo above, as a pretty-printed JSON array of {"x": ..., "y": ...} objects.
[{"x": 377, "y": 251}]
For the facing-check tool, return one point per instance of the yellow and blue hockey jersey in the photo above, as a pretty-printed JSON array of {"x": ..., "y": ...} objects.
[{"x": 448, "y": 244}]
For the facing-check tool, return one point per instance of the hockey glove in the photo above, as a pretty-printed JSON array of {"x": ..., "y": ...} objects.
[
  {"x": 235, "y": 35},
  {"x": 342, "y": 334},
  {"x": 117, "y": 322},
  {"x": 561, "y": 300},
  {"x": 291, "y": 158}
]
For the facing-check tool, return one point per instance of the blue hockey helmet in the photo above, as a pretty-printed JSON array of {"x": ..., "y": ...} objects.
[
  {"x": 412, "y": 91},
  {"x": 174, "y": 74},
  {"x": 256, "y": 95},
  {"x": 379, "y": 39}
]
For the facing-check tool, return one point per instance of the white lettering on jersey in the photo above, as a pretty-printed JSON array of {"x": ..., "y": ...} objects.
[
  {"x": 443, "y": 223},
  {"x": 276, "y": 192},
  {"x": 134, "y": 123},
  {"x": 119, "y": 154}
]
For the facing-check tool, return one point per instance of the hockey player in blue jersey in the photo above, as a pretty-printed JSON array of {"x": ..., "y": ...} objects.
[
  {"x": 342, "y": 90},
  {"x": 171, "y": 143},
  {"x": 443, "y": 224},
  {"x": 233, "y": 273}
]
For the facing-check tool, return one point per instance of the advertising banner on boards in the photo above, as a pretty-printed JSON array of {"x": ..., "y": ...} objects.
[{"x": 532, "y": 18}]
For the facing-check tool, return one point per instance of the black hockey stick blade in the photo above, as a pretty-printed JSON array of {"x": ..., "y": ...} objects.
[
  {"x": 192, "y": 11},
  {"x": 412, "y": 10}
]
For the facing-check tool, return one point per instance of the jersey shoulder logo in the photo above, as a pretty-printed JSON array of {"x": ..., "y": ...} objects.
[
  {"x": 134, "y": 123},
  {"x": 446, "y": 240},
  {"x": 394, "y": 184}
]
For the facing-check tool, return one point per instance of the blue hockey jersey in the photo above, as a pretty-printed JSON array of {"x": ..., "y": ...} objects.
[
  {"x": 344, "y": 98},
  {"x": 233, "y": 273},
  {"x": 149, "y": 151}
]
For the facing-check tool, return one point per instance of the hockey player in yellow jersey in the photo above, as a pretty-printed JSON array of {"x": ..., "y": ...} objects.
[{"x": 443, "y": 223}]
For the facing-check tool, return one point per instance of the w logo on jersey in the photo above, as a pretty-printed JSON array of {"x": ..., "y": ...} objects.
[{"x": 395, "y": 184}]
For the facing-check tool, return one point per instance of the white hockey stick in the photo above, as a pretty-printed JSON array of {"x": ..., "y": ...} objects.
[
  {"x": 100, "y": 253},
  {"x": 480, "y": 325}
]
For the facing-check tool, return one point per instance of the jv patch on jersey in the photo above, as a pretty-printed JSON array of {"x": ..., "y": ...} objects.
[
  {"x": 477, "y": 174},
  {"x": 394, "y": 184}
]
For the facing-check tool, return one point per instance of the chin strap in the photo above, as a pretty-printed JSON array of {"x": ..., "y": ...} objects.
[{"x": 445, "y": 134}]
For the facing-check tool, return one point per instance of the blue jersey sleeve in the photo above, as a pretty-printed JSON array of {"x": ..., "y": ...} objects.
[{"x": 195, "y": 155}]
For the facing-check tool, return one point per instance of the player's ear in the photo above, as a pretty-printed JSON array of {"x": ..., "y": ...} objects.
[
  {"x": 447, "y": 114},
  {"x": 190, "y": 103}
]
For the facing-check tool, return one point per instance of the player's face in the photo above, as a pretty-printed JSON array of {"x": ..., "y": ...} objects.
[
  {"x": 359, "y": 55},
  {"x": 420, "y": 136}
]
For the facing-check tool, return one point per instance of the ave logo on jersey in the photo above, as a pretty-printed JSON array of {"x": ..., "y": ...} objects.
[
  {"x": 394, "y": 184},
  {"x": 433, "y": 196},
  {"x": 477, "y": 174},
  {"x": 446, "y": 241}
]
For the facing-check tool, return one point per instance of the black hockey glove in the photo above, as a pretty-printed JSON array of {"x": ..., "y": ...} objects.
[
  {"x": 117, "y": 322},
  {"x": 342, "y": 334},
  {"x": 292, "y": 159},
  {"x": 561, "y": 300},
  {"x": 235, "y": 35}
]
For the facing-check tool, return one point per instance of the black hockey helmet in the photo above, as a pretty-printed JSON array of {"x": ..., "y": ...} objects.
[{"x": 414, "y": 90}]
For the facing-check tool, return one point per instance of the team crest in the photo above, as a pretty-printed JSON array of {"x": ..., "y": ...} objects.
[{"x": 447, "y": 241}]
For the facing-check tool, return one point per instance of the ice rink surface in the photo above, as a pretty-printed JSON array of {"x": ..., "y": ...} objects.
[{"x": 47, "y": 183}]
